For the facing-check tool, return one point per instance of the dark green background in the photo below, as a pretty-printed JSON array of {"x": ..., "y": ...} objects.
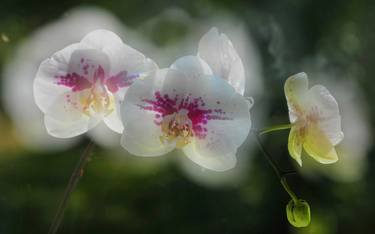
[{"x": 113, "y": 197}]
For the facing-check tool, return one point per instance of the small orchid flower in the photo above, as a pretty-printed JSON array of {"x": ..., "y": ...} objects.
[
  {"x": 315, "y": 119},
  {"x": 219, "y": 53},
  {"x": 85, "y": 83},
  {"x": 186, "y": 107}
]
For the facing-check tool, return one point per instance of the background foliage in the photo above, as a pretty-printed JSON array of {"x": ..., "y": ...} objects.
[{"x": 123, "y": 194}]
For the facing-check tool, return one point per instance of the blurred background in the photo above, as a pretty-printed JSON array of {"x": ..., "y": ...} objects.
[{"x": 332, "y": 41}]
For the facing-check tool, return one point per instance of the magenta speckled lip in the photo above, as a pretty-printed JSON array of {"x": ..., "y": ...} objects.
[
  {"x": 79, "y": 82},
  {"x": 163, "y": 106}
]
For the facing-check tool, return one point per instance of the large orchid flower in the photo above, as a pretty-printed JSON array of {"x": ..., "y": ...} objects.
[
  {"x": 186, "y": 107},
  {"x": 315, "y": 119},
  {"x": 218, "y": 52},
  {"x": 85, "y": 83}
]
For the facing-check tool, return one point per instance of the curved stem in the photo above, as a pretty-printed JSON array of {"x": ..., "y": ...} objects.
[
  {"x": 288, "y": 189},
  {"x": 73, "y": 181},
  {"x": 270, "y": 160},
  {"x": 275, "y": 128},
  {"x": 280, "y": 173}
]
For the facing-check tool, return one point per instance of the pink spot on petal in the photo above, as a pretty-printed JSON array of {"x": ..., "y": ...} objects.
[
  {"x": 120, "y": 80},
  {"x": 99, "y": 75},
  {"x": 74, "y": 81},
  {"x": 199, "y": 116}
]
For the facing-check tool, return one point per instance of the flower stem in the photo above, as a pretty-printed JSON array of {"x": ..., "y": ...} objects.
[
  {"x": 288, "y": 189},
  {"x": 280, "y": 173},
  {"x": 274, "y": 128},
  {"x": 73, "y": 181}
]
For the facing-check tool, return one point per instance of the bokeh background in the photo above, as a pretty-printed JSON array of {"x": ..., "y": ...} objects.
[{"x": 333, "y": 41}]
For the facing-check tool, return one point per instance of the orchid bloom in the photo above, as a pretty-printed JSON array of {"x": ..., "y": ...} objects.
[
  {"x": 85, "y": 83},
  {"x": 186, "y": 107},
  {"x": 218, "y": 52},
  {"x": 315, "y": 119}
]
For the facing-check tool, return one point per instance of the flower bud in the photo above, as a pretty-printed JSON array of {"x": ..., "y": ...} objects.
[{"x": 298, "y": 213}]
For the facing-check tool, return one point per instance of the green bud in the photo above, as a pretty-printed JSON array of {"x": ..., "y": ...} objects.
[{"x": 298, "y": 213}]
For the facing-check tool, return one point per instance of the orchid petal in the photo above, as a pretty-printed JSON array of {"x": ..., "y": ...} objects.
[
  {"x": 141, "y": 135},
  {"x": 208, "y": 159},
  {"x": 295, "y": 89},
  {"x": 67, "y": 129},
  {"x": 295, "y": 142},
  {"x": 192, "y": 67},
  {"x": 45, "y": 88},
  {"x": 226, "y": 130},
  {"x": 127, "y": 64},
  {"x": 324, "y": 105},
  {"x": 218, "y": 51},
  {"x": 113, "y": 121},
  {"x": 318, "y": 146}
]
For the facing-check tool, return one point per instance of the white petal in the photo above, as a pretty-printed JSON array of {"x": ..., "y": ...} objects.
[
  {"x": 141, "y": 135},
  {"x": 105, "y": 137},
  {"x": 208, "y": 159},
  {"x": 45, "y": 88},
  {"x": 121, "y": 55},
  {"x": 192, "y": 67},
  {"x": 218, "y": 51},
  {"x": 317, "y": 145},
  {"x": 323, "y": 104},
  {"x": 295, "y": 143},
  {"x": 228, "y": 124},
  {"x": 215, "y": 93},
  {"x": 224, "y": 102},
  {"x": 113, "y": 120},
  {"x": 67, "y": 129},
  {"x": 295, "y": 89},
  {"x": 123, "y": 58},
  {"x": 223, "y": 136},
  {"x": 89, "y": 63},
  {"x": 216, "y": 151},
  {"x": 99, "y": 39},
  {"x": 67, "y": 120}
]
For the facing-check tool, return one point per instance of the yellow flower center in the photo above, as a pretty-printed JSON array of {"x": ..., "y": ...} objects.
[
  {"x": 305, "y": 121},
  {"x": 97, "y": 100},
  {"x": 177, "y": 128}
]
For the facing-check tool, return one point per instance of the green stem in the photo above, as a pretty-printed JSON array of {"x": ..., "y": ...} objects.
[
  {"x": 288, "y": 189},
  {"x": 73, "y": 181},
  {"x": 275, "y": 128},
  {"x": 280, "y": 173},
  {"x": 270, "y": 160}
]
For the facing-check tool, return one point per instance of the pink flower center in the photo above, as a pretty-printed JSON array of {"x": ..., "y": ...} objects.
[
  {"x": 307, "y": 119},
  {"x": 182, "y": 117},
  {"x": 78, "y": 82},
  {"x": 95, "y": 87}
]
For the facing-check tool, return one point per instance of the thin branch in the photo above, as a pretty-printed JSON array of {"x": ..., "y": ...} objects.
[
  {"x": 73, "y": 181},
  {"x": 270, "y": 160},
  {"x": 274, "y": 128},
  {"x": 281, "y": 174}
]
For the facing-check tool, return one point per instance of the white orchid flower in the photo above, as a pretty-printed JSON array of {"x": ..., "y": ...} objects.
[
  {"x": 217, "y": 50},
  {"x": 186, "y": 107},
  {"x": 315, "y": 118},
  {"x": 85, "y": 82}
]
